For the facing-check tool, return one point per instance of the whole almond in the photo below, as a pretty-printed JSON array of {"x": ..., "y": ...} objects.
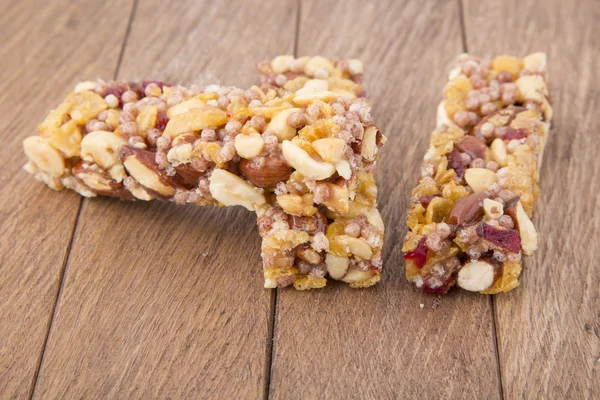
[{"x": 267, "y": 174}]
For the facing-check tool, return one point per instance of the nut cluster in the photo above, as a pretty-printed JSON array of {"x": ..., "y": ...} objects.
[
  {"x": 469, "y": 219},
  {"x": 302, "y": 157}
]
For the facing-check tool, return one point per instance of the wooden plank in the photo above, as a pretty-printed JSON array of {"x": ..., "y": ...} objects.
[
  {"x": 549, "y": 328},
  {"x": 379, "y": 342},
  {"x": 46, "y": 48},
  {"x": 160, "y": 300}
]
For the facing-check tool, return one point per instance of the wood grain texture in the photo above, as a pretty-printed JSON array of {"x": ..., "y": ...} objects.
[
  {"x": 160, "y": 300},
  {"x": 549, "y": 328},
  {"x": 46, "y": 49},
  {"x": 379, "y": 343}
]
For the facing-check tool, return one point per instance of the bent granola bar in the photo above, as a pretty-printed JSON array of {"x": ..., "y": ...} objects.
[
  {"x": 303, "y": 161},
  {"x": 469, "y": 218}
]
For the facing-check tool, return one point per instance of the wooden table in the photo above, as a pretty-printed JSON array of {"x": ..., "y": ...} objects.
[{"x": 107, "y": 299}]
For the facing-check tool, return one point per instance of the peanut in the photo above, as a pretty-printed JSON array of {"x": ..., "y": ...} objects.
[{"x": 480, "y": 179}]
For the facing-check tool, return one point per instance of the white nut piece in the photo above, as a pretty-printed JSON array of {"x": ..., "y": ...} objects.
[
  {"x": 316, "y": 63},
  {"x": 249, "y": 145},
  {"x": 356, "y": 275},
  {"x": 281, "y": 64},
  {"x": 316, "y": 84},
  {"x": 111, "y": 100},
  {"x": 499, "y": 153},
  {"x": 356, "y": 246},
  {"x": 305, "y": 96},
  {"x": 44, "y": 156},
  {"x": 330, "y": 149},
  {"x": 137, "y": 191},
  {"x": 454, "y": 73},
  {"x": 147, "y": 177},
  {"x": 279, "y": 124},
  {"x": 492, "y": 208},
  {"x": 343, "y": 169},
  {"x": 305, "y": 164},
  {"x": 85, "y": 85},
  {"x": 535, "y": 62},
  {"x": 295, "y": 204},
  {"x": 336, "y": 266},
  {"x": 442, "y": 118},
  {"x": 102, "y": 148},
  {"x": 476, "y": 276},
  {"x": 180, "y": 154},
  {"x": 184, "y": 107},
  {"x": 231, "y": 190},
  {"x": 94, "y": 180},
  {"x": 480, "y": 179},
  {"x": 369, "y": 144},
  {"x": 355, "y": 66},
  {"x": 374, "y": 218},
  {"x": 527, "y": 232},
  {"x": 531, "y": 87},
  {"x": 270, "y": 283}
]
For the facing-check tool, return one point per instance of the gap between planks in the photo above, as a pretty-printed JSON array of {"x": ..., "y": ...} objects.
[{"x": 63, "y": 270}]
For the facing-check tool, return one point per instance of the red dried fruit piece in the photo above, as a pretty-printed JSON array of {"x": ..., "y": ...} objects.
[
  {"x": 467, "y": 209},
  {"x": 161, "y": 120},
  {"x": 508, "y": 239},
  {"x": 473, "y": 146},
  {"x": 419, "y": 255},
  {"x": 455, "y": 161},
  {"x": 425, "y": 200},
  {"x": 517, "y": 134}
]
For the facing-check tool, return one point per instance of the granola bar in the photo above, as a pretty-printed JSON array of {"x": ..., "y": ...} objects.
[
  {"x": 303, "y": 161},
  {"x": 289, "y": 74},
  {"x": 469, "y": 218}
]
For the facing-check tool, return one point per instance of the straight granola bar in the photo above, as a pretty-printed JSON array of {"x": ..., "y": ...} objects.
[
  {"x": 469, "y": 218},
  {"x": 303, "y": 160}
]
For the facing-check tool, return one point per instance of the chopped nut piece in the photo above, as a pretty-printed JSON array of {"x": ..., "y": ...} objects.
[
  {"x": 231, "y": 190},
  {"x": 499, "y": 153},
  {"x": 102, "y": 148},
  {"x": 493, "y": 209},
  {"x": 476, "y": 276},
  {"x": 44, "y": 156},
  {"x": 480, "y": 179},
  {"x": 330, "y": 149},
  {"x": 527, "y": 232},
  {"x": 279, "y": 125},
  {"x": 305, "y": 164},
  {"x": 249, "y": 145},
  {"x": 336, "y": 266},
  {"x": 196, "y": 119}
]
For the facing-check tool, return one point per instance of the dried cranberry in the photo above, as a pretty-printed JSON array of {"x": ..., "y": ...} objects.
[
  {"x": 455, "y": 161},
  {"x": 425, "y": 200},
  {"x": 517, "y": 134},
  {"x": 419, "y": 255},
  {"x": 508, "y": 239},
  {"x": 161, "y": 120}
]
